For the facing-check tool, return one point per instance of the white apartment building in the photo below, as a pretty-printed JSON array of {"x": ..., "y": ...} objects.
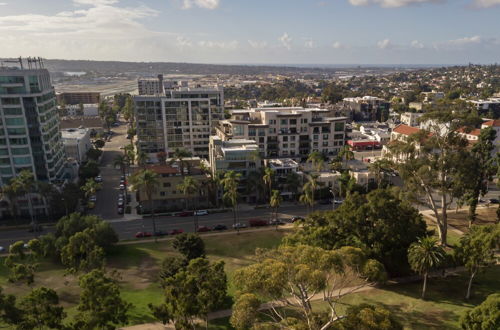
[
  {"x": 76, "y": 143},
  {"x": 180, "y": 117},
  {"x": 286, "y": 132},
  {"x": 237, "y": 155},
  {"x": 85, "y": 110},
  {"x": 411, "y": 118}
]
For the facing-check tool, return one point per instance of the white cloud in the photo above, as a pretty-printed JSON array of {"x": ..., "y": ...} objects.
[
  {"x": 286, "y": 41},
  {"x": 95, "y": 2},
  {"x": 384, "y": 44},
  {"x": 3, "y": 3},
  {"x": 339, "y": 45},
  {"x": 486, "y": 3},
  {"x": 392, "y": 3},
  {"x": 416, "y": 44},
  {"x": 465, "y": 41},
  {"x": 206, "y": 4},
  {"x": 228, "y": 45},
  {"x": 257, "y": 44},
  {"x": 309, "y": 43},
  {"x": 183, "y": 42}
]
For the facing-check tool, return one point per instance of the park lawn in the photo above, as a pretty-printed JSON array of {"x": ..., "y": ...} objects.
[
  {"x": 137, "y": 266},
  {"x": 453, "y": 238}
]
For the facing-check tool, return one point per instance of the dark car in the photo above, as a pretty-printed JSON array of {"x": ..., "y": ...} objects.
[
  {"x": 203, "y": 229},
  {"x": 493, "y": 201},
  {"x": 220, "y": 227},
  {"x": 257, "y": 223},
  {"x": 120, "y": 210},
  {"x": 186, "y": 214},
  {"x": 176, "y": 231},
  {"x": 142, "y": 234},
  {"x": 161, "y": 233},
  {"x": 294, "y": 219},
  {"x": 276, "y": 222}
]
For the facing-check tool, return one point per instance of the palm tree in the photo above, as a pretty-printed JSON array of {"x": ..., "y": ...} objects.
[
  {"x": 376, "y": 168},
  {"x": 275, "y": 203},
  {"x": 230, "y": 184},
  {"x": 148, "y": 182},
  {"x": 90, "y": 187},
  {"x": 309, "y": 189},
  {"x": 347, "y": 154},
  {"x": 267, "y": 177},
  {"x": 26, "y": 183},
  {"x": 307, "y": 199},
  {"x": 45, "y": 189},
  {"x": 317, "y": 160},
  {"x": 179, "y": 155},
  {"x": 121, "y": 162},
  {"x": 141, "y": 158},
  {"x": 293, "y": 183},
  {"x": 190, "y": 187},
  {"x": 12, "y": 192},
  {"x": 423, "y": 256}
]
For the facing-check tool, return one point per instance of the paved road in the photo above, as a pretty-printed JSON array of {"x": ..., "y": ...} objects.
[{"x": 107, "y": 197}]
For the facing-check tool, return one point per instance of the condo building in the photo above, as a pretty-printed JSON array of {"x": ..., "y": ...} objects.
[
  {"x": 178, "y": 117},
  {"x": 286, "y": 132},
  {"x": 30, "y": 138}
]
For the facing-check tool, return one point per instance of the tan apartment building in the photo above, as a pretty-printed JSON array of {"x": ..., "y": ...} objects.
[{"x": 286, "y": 132}]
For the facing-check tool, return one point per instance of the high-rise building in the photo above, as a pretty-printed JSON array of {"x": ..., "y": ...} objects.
[
  {"x": 179, "y": 117},
  {"x": 29, "y": 123}
]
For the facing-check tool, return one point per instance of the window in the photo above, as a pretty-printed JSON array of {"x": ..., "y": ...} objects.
[
  {"x": 303, "y": 120},
  {"x": 12, "y": 111},
  {"x": 339, "y": 127},
  {"x": 272, "y": 130},
  {"x": 238, "y": 130},
  {"x": 166, "y": 184},
  {"x": 252, "y": 132},
  {"x": 292, "y": 145},
  {"x": 315, "y": 137},
  {"x": 293, "y": 121},
  {"x": 325, "y": 143},
  {"x": 16, "y": 131},
  {"x": 284, "y": 122},
  {"x": 20, "y": 151},
  {"x": 292, "y": 138},
  {"x": 14, "y": 121},
  {"x": 162, "y": 193},
  {"x": 285, "y": 145},
  {"x": 22, "y": 160},
  {"x": 272, "y": 121},
  {"x": 325, "y": 136},
  {"x": 285, "y": 139}
]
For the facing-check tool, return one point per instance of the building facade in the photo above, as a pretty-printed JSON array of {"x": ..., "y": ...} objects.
[
  {"x": 75, "y": 98},
  {"x": 181, "y": 117},
  {"x": 29, "y": 133},
  {"x": 368, "y": 108},
  {"x": 237, "y": 155},
  {"x": 76, "y": 143},
  {"x": 286, "y": 132}
]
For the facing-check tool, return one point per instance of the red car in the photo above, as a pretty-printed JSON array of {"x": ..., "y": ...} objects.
[
  {"x": 142, "y": 234},
  {"x": 203, "y": 229},
  {"x": 257, "y": 223},
  {"x": 176, "y": 232}
]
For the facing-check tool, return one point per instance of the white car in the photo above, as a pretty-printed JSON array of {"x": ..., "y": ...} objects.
[
  {"x": 201, "y": 212},
  {"x": 2, "y": 249},
  {"x": 93, "y": 198},
  {"x": 122, "y": 186},
  {"x": 98, "y": 178}
]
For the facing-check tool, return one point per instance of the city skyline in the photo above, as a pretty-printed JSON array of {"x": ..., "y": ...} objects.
[{"x": 224, "y": 31}]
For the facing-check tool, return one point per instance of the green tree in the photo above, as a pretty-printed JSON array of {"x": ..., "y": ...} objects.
[
  {"x": 347, "y": 154},
  {"x": 90, "y": 188},
  {"x": 180, "y": 155},
  {"x": 191, "y": 246},
  {"x": 121, "y": 162},
  {"x": 268, "y": 178},
  {"x": 309, "y": 190},
  {"x": 191, "y": 187},
  {"x": 141, "y": 158},
  {"x": 25, "y": 182},
  {"x": 41, "y": 310},
  {"x": 317, "y": 160},
  {"x": 88, "y": 171},
  {"x": 484, "y": 316},
  {"x": 146, "y": 181},
  {"x": 477, "y": 250},
  {"x": 22, "y": 268},
  {"x": 275, "y": 203},
  {"x": 425, "y": 255},
  {"x": 292, "y": 275},
  {"x": 82, "y": 253},
  {"x": 230, "y": 183},
  {"x": 377, "y": 168},
  {"x": 293, "y": 181},
  {"x": 368, "y": 317},
  {"x": 9, "y": 312},
  {"x": 245, "y": 311},
  {"x": 100, "y": 306},
  {"x": 93, "y": 154}
]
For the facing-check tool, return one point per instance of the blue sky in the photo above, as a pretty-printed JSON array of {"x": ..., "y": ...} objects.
[{"x": 255, "y": 31}]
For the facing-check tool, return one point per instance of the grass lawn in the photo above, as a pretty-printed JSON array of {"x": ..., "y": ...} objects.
[{"x": 138, "y": 265}]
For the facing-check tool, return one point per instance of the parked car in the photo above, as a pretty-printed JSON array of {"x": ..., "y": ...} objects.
[
  {"x": 185, "y": 214},
  {"x": 121, "y": 195},
  {"x": 120, "y": 210},
  {"x": 176, "y": 231},
  {"x": 115, "y": 124},
  {"x": 122, "y": 186},
  {"x": 142, "y": 234},
  {"x": 296, "y": 218},
  {"x": 2, "y": 249},
  {"x": 220, "y": 227},
  {"x": 276, "y": 222},
  {"x": 121, "y": 203},
  {"x": 338, "y": 201},
  {"x": 201, "y": 212},
  {"x": 239, "y": 225},
  {"x": 98, "y": 178},
  {"x": 122, "y": 177},
  {"x": 93, "y": 198},
  {"x": 203, "y": 229},
  {"x": 257, "y": 223},
  {"x": 493, "y": 201},
  {"x": 161, "y": 233}
]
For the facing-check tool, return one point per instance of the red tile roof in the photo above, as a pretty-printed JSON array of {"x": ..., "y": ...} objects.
[
  {"x": 475, "y": 132},
  {"x": 493, "y": 123},
  {"x": 406, "y": 130}
]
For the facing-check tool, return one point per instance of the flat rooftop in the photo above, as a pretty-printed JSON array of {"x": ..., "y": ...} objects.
[{"x": 74, "y": 133}]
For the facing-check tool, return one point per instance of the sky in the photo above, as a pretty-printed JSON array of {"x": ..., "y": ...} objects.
[{"x": 254, "y": 31}]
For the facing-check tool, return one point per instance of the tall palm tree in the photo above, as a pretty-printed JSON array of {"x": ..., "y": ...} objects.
[
  {"x": 347, "y": 154},
  {"x": 12, "y": 192},
  {"x": 268, "y": 177},
  {"x": 141, "y": 158},
  {"x": 317, "y": 160},
  {"x": 121, "y": 162},
  {"x": 189, "y": 187},
  {"x": 423, "y": 256},
  {"x": 309, "y": 189},
  {"x": 230, "y": 184},
  {"x": 293, "y": 183},
  {"x": 275, "y": 203},
  {"x": 147, "y": 181},
  {"x": 307, "y": 199},
  {"x": 179, "y": 155},
  {"x": 26, "y": 182},
  {"x": 90, "y": 187},
  {"x": 46, "y": 189}
]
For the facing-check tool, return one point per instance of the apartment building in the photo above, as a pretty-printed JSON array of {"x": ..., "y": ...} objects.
[
  {"x": 286, "y": 132},
  {"x": 29, "y": 129},
  {"x": 239, "y": 155},
  {"x": 368, "y": 108},
  {"x": 76, "y": 143},
  {"x": 75, "y": 98},
  {"x": 180, "y": 117},
  {"x": 411, "y": 118}
]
